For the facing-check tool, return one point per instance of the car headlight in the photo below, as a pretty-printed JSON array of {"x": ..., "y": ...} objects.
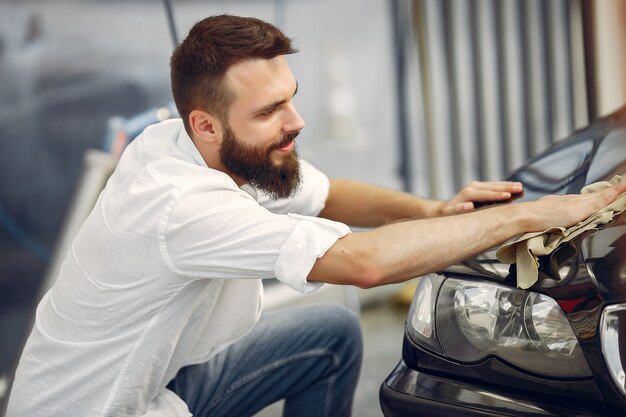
[
  {"x": 421, "y": 316},
  {"x": 469, "y": 321}
]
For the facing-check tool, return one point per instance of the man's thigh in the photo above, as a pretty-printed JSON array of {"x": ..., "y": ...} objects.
[{"x": 287, "y": 354}]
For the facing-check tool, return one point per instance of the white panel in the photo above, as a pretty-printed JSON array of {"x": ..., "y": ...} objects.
[
  {"x": 417, "y": 122},
  {"x": 515, "y": 132},
  {"x": 562, "y": 117},
  {"x": 577, "y": 64},
  {"x": 440, "y": 133},
  {"x": 466, "y": 91},
  {"x": 491, "y": 111},
  {"x": 610, "y": 56},
  {"x": 538, "y": 95}
]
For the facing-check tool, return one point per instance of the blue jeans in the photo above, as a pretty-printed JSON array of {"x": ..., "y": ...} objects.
[{"x": 309, "y": 356}]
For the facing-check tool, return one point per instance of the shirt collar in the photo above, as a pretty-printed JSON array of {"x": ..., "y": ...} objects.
[
  {"x": 248, "y": 188},
  {"x": 189, "y": 148}
]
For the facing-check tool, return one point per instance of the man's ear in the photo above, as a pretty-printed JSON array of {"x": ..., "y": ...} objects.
[{"x": 205, "y": 126}]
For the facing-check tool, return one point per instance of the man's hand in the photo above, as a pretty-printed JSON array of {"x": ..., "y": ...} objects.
[
  {"x": 567, "y": 210},
  {"x": 476, "y": 193}
]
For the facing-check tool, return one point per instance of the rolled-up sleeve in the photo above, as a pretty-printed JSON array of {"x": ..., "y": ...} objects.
[{"x": 311, "y": 236}]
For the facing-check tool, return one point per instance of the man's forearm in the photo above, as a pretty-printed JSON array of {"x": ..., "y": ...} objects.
[
  {"x": 364, "y": 205},
  {"x": 397, "y": 252}
]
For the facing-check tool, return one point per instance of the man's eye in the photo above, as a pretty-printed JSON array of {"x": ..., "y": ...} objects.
[{"x": 268, "y": 112}]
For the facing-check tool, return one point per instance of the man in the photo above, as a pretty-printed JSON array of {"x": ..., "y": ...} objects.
[{"x": 156, "y": 308}]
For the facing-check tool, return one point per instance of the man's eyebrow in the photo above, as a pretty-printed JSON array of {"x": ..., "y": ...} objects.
[{"x": 276, "y": 103}]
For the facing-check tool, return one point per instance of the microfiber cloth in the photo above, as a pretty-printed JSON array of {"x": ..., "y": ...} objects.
[{"x": 526, "y": 249}]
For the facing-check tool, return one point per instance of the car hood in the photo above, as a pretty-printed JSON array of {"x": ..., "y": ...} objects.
[{"x": 594, "y": 153}]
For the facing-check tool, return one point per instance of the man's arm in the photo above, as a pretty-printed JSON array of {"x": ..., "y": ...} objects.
[
  {"x": 364, "y": 205},
  {"x": 401, "y": 251}
]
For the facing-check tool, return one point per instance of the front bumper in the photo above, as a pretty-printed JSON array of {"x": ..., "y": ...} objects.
[{"x": 407, "y": 392}]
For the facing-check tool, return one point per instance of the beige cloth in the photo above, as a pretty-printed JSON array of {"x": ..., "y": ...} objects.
[{"x": 526, "y": 249}]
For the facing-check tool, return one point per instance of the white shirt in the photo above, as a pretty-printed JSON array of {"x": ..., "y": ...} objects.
[{"x": 164, "y": 273}]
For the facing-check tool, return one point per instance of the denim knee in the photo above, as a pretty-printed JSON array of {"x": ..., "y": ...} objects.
[{"x": 342, "y": 326}]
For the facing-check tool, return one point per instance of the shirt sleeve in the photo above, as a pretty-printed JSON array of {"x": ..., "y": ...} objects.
[
  {"x": 310, "y": 198},
  {"x": 226, "y": 234}
]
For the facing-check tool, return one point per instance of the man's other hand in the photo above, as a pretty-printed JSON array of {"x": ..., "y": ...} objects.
[{"x": 478, "y": 193}]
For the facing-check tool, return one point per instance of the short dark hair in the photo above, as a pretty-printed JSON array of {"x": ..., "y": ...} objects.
[{"x": 214, "y": 44}]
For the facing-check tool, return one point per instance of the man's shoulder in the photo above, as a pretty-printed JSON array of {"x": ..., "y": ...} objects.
[
  {"x": 186, "y": 176},
  {"x": 169, "y": 128},
  {"x": 163, "y": 159},
  {"x": 166, "y": 153}
]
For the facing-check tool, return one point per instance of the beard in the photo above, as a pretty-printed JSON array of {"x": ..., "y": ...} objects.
[{"x": 255, "y": 165}]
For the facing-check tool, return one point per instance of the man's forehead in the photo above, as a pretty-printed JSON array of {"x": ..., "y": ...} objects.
[
  {"x": 257, "y": 77},
  {"x": 256, "y": 64}
]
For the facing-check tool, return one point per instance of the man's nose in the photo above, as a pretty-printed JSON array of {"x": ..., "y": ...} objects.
[{"x": 293, "y": 121}]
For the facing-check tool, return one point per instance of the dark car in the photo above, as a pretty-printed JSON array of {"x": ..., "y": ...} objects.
[{"x": 476, "y": 345}]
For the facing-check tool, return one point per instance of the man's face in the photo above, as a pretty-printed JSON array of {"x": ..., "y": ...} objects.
[
  {"x": 258, "y": 136},
  {"x": 255, "y": 164}
]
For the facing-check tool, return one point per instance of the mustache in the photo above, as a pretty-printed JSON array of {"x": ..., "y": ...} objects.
[{"x": 286, "y": 139}]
